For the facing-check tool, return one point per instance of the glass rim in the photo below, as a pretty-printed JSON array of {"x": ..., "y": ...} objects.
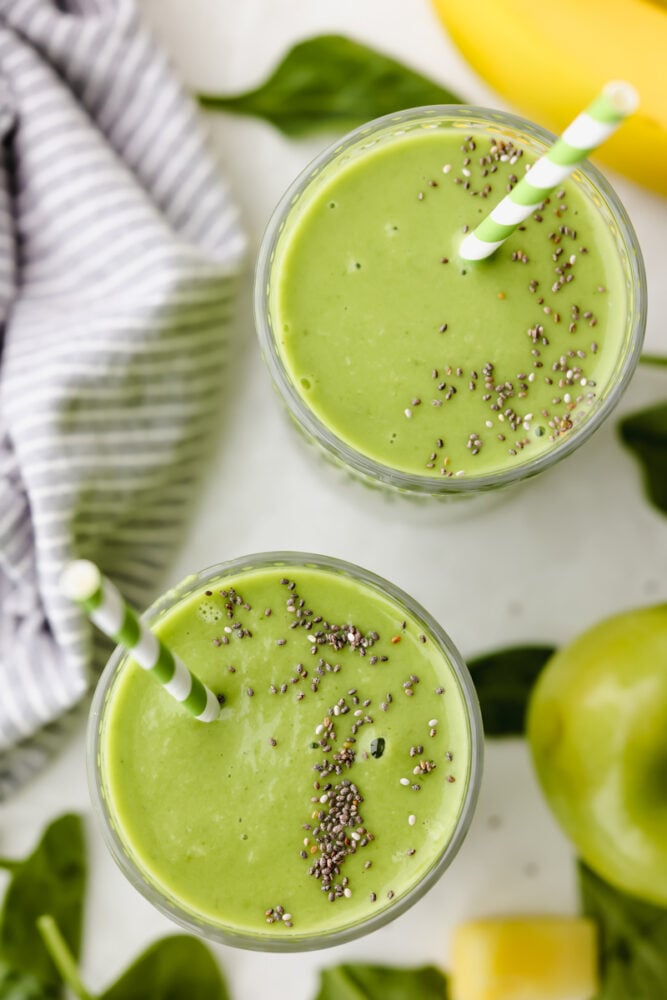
[
  {"x": 340, "y": 450},
  {"x": 200, "y": 925}
]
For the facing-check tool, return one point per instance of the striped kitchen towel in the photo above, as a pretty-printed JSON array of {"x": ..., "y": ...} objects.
[{"x": 119, "y": 246}]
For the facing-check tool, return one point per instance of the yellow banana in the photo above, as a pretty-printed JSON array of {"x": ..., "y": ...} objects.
[{"x": 550, "y": 59}]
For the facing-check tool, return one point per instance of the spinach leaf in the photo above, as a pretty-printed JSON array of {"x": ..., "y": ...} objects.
[
  {"x": 653, "y": 359},
  {"x": 62, "y": 957},
  {"x": 504, "y": 680},
  {"x": 20, "y": 985},
  {"x": 52, "y": 879},
  {"x": 645, "y": 433},
  {"x": 40, "y": 934},
  {"x": 171, "y": 969},
  {"x": 633, "y": 941},
  {"x": 379, "y": 982},
  {"x": 332, "y": 82}
]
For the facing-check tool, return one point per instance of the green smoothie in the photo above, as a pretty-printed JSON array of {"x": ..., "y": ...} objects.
[
  {"x": 422, "y": 362},
  {"x": 335, "y": 778}
]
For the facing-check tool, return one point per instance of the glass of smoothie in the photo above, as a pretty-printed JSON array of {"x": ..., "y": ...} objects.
[
  {"x": 338, "y": 783},
  {"x": 420, "y": 371}
]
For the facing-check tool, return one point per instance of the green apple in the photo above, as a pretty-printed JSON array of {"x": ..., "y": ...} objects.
[{"x": 597, "y": 727}]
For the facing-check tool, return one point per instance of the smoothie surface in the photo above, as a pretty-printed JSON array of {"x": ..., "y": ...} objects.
[
  {"x": 348, "y": 745},
  {"x": 422, "y": 362}
]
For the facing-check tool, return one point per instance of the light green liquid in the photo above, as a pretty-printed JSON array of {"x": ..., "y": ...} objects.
[
  {"x": 214, "y": 814},
  {"x": 390, "y": 347}
]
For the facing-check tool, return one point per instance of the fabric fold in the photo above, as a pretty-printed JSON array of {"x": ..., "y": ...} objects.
[{"x": 119, "y": 248}]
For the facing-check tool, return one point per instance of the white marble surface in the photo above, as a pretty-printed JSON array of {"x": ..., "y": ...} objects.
[{"x": 562, "y": 552}]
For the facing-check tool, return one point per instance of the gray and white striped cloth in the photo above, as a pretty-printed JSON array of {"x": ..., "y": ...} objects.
[{"x": 119, "y": 246}]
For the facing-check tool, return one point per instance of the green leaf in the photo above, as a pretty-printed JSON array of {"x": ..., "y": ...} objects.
[
  {"x": 380, "y": 982},
  {"x": 659, "y": 360},
  {"x": 51, "y": 879},
  {"x": 504, "y": 680},
  {"x": 63, "y": 959},
  {"x": 332, "y": 82},
  {"x": 10, "y": 864},
  {"x": 20, "y": 985},
  {"x": 632, "y": 941},
  {"x": 174, "y": 968},
  {"x": 645, "y": 433}
]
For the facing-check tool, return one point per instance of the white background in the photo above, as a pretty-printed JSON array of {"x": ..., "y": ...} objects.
[{"x": 541, "y": 564}]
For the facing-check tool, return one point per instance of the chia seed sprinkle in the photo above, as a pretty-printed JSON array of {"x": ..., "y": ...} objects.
[{"x": 340, "y": 833}]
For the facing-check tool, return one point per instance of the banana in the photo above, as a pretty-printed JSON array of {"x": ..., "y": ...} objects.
[{"x": 550, "y": 59}]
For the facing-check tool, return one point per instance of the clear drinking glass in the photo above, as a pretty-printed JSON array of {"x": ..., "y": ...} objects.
[
  {"x": 464, "y": 120},
  {"x": 149, "y": 885}
]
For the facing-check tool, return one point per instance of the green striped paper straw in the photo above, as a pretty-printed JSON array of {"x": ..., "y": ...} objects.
[
  {"x": 589, "y": 130},
  {"x": 83, "y": 583}
]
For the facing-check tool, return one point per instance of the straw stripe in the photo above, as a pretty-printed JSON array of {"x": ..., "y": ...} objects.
[
  {"x": 489, "y": 231},
  {"x": 197, "y": 701},
  {"x": 129, "y": 633},
  {"x": 180, "y": 685},
  {"x": 547, "y": 174},
  {"x": 567, "y": 155},
  {"x": 83, "y": 583},
  {"x": 588, "y": 131},
  {"x": 164, "y": 665},
  {"x": 110, "y": 612},
  {"x": 528, "y": 196},
  {"x": 147, "y": 648},
  {"x": 508, "y": 213}
]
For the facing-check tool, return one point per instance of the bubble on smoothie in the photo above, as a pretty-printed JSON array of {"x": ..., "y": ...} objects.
[
  {"x": 354, "y": 265},
  {"x": 208, "y": 612},
  {"x": 390, "y": 228}
]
